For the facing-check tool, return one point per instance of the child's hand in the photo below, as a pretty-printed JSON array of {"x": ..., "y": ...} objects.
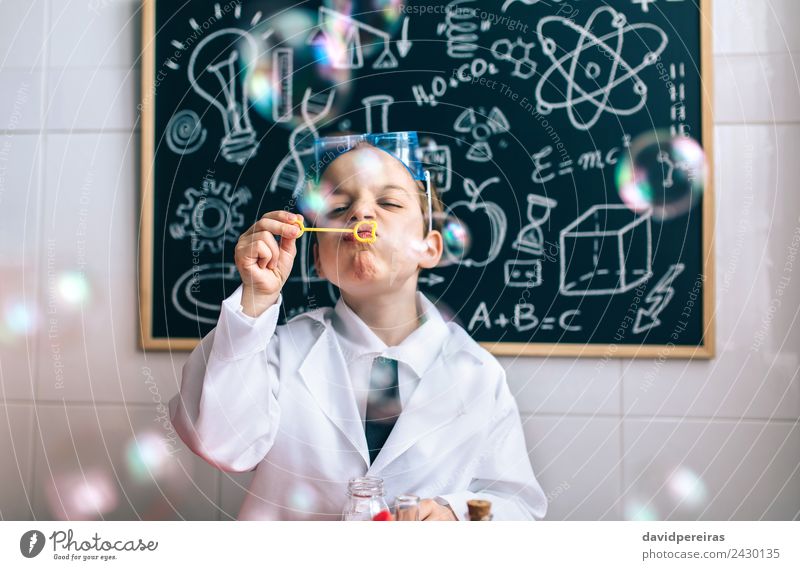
[
  {"x": 430, "y": 510},
  {"x": 264, "y": 265}
]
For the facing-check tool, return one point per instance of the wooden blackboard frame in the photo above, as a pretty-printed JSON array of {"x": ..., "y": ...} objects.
[{"x": 147, "y": 229}]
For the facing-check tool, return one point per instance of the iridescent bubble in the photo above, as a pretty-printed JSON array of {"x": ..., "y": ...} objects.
[
  {"x": 116, "y": 474},
  {"x": 367, "y": 162},
  {"x": 303, "y": 498},
  {"x": 664, "y": 490},
  {"x": 687, "y": 488},
  {"x": 88, "y": 493},
  {"x": 148, "y": 457},
  {"x": 351, "y": 26},
  {"x": 313, "y": 201},
  {"x": 19, "y": 319},
  {"x": 662, "y": 173},
  {"x": 73, "y": 287},
  {"x": 290, "y": 67},
  {"x": 640, "y": 510},
  {"x": 456, "y": 236}
]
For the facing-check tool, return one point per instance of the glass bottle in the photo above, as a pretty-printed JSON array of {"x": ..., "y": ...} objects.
[
  {"x": 365, "y": 499},
  {"x": 407, "y": 507}
]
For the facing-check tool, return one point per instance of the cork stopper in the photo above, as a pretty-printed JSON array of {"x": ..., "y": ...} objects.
[{"x": 479, "y": 509}]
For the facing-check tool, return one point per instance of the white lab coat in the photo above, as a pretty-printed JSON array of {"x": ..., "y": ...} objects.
[{"x": 277, "y": 400}]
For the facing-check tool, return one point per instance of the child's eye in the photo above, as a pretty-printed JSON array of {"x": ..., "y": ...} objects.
[
  {"x": 338, "y": 210},
  {"x": 391, "y": 204}
]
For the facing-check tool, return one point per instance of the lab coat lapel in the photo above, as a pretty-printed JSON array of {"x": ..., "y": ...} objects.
[
  {"x": 325, "y": 374},
  {"x": 436, "y": 402}
]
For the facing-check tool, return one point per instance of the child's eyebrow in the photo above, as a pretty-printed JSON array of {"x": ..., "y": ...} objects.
[
  {"x": 390, "y": 187},
  {"x": 386, "y": 188}
]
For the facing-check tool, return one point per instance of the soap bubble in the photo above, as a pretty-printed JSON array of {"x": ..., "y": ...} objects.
[
  {"x": 456, "y": 236},
  {"x": 115, "y": 474},
  {"x": 312, "y": 202},
  {"x": 288, "y": 62},
  {"x": 664, "y": 173},
  {"x": 303, "y": 499},
  {"x": 667, "y": 491},
  {"x": 73, "y": 288},
  {"x": 19, "y": 319},
  {"x": 686, "y": 488},
  {"x": 382, "y": 15}
]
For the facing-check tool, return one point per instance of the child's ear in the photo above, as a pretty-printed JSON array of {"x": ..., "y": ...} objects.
[
  {"x": 317, "y": 264},
  {"x": 434, "y": 247}
]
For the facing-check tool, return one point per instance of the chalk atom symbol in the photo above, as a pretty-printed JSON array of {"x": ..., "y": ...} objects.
[{"x": 583, "y": 80}]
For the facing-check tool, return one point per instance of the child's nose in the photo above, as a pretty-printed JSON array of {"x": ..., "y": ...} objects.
[{"x": 364, "y": 210}]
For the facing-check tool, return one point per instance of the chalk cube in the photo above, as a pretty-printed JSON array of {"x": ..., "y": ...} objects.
[{"x": 606, "y": 250}]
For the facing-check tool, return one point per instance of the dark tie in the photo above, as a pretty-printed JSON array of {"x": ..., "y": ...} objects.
[{"x": 383, "y": 404}]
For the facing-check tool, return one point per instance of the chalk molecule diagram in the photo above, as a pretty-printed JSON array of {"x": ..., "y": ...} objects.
[{"x": 595, "y": 69}]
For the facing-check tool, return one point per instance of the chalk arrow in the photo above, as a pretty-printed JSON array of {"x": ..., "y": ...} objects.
[
  {"x": 403, "y": 45},
  {"x": 431, "y": 279}
]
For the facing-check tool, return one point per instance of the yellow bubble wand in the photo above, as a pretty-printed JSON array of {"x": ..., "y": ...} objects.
[{"x": 370, "y": 239}]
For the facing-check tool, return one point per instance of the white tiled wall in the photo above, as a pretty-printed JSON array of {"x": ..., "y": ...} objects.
[{"x": 612, "y": 439}]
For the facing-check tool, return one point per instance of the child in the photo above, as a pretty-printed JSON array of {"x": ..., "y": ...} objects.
[{"x": 311, "y": 404}]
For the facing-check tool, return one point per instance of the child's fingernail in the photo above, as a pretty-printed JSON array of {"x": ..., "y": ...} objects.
[{"x": 292, "y": 217}]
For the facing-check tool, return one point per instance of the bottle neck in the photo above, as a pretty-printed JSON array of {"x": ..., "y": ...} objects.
[{"x": 365, "y": 487}]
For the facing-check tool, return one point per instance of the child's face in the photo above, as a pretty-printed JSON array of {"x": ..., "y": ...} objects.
[{"x": 369, "y": 184}]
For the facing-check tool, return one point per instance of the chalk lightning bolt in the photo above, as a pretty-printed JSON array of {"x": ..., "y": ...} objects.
[
  {"x": 658, "y": 299},
  {"x": 34, "y": 540}
]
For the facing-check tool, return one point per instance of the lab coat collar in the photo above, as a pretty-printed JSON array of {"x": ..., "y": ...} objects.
[
  {"x": 418, "y": 350},
  {"x": 437, "y": 400}
]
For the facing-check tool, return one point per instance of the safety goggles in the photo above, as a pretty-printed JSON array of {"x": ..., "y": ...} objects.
[{"x": 402, "y": 145}]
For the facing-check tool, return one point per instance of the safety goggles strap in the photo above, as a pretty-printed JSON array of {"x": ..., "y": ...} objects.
[{"x": 428, "y": 194}]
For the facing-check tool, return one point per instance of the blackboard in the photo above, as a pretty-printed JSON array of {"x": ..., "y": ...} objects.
[{"x": 528, "y": 172}]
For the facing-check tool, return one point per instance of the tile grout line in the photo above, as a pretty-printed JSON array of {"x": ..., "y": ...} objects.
[
  {"x": 38, "y": 289},
  {"x": 77, "y": 131},
  {"x": 664, "y": 418},
  {"x": 524, "y": 414}
]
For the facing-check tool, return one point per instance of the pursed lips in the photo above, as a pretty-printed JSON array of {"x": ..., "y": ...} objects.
[{"x": 363, "y": 233}]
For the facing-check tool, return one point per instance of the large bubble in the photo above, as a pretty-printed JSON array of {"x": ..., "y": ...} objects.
[
  {"x": 456, "y": 237},
  {"x": 290, "y": 80},
  {"x": 360, "y": 28},
  {"x": 662, "y": 173},
  {"x": 115, "y": 474}
]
